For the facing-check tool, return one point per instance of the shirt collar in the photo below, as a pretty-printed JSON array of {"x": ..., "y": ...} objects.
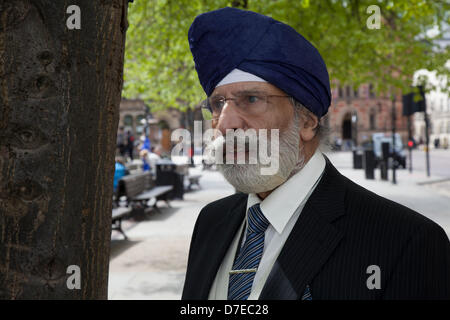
[{"x": 279, "y": 206}]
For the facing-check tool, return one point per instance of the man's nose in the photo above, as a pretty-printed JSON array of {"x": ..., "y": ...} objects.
[{"x": 230, "y": 118}]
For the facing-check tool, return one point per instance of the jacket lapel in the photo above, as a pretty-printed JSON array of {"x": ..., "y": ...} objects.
[
  {"x": 212, "y": 253},
  {"x": 311, "y": 242}
]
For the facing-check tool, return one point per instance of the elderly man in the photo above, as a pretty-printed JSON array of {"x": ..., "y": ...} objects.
[{"x": 305, "y": 232}]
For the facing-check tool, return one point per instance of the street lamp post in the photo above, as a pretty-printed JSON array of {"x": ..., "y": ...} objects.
[
  {"x": 146, "y": 128},
  {"x": 355, "y": 128},
  {"x": 427, "y": 129},
  {"x": 394, "y": 156},
  {"x": 410, "y": 144}
]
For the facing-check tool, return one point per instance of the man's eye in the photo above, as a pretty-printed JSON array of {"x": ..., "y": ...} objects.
[
  {"x": 218, "y": 104},
  {"x": 252, "y": 99}
]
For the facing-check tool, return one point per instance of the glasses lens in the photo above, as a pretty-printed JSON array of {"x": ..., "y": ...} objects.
[
  {"x": 216, "y": 104},
  {"x": 249, "y": 100}
]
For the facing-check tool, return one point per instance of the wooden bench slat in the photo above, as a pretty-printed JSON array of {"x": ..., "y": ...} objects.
[
  {"x": 153, "y": 193},
  {"x": 120, "y": 212}
]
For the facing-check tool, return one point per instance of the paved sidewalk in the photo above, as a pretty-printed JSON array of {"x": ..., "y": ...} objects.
[{"x": 152, "y": 263}]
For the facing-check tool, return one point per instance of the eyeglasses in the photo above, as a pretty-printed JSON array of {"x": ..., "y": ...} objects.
[{"x": 248, "y": 104}]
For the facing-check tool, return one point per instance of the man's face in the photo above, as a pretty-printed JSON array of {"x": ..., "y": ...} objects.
[{"x": 278, "y": 114}]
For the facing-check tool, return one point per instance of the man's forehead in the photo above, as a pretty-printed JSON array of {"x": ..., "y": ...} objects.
[{"x": 250, "y": 86}]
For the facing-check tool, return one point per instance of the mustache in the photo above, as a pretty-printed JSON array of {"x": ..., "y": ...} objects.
[
  {"x": 244, "y": 149},
  {"x": 236, "y": 144},
  {"x": 238, "y": 148}
]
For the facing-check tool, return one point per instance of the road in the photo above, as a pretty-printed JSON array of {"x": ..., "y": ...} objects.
[{"x": 439, "y": 162}]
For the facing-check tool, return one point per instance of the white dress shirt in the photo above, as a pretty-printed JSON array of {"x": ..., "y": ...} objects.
[{"x": 282, "y": 207}]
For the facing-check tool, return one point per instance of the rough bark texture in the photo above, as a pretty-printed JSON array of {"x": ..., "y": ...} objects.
[{"x": 59, "y": 108}]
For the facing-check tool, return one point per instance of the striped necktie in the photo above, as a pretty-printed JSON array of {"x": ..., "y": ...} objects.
[{"x": 247, "y": 261}]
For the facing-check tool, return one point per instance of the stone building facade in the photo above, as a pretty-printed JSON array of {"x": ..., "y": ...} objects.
[{"x": 132, "y": 112}]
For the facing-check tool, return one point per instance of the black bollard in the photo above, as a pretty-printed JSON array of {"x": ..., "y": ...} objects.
[
  {"x": 369, "y": 164},
  {"x": 357, "y": 159}
]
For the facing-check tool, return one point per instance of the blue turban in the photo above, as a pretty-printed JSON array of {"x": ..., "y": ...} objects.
[{"x": 229, "y": 38}]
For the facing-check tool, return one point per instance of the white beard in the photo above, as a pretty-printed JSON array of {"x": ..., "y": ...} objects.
[{"x": 247, "y": 178}]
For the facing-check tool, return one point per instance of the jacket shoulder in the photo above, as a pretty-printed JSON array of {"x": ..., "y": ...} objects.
[
  {"x": 216, "y": 208},
  {"x": 365, "y": 204}
]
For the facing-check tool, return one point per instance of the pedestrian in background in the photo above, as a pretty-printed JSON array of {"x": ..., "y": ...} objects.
[
  {"x": 145, "y": 143},
  {"x": 130, "y": 144},
  {"x": 119, "y": 171},
  {"x": 150, "y": 159},
  {"x": 121, "y": 141}
]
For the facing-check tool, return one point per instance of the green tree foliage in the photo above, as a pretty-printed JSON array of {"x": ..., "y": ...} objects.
[{"x": 159, "y": 66}]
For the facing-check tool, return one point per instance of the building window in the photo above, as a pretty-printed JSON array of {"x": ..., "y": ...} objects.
[
  {"x": 340, "y": 93},
  {"x": 140, "y": 125},
  {"x": 371, "y": 92},
  {"x": 355, "y": 92},
  {"x": 372, "y": 120},
  {"x": 128, "y": 120},
  {"x": 348, "y": 93}
]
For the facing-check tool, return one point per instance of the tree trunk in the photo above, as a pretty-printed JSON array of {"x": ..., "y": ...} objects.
[{"x": 59, "y": 110}]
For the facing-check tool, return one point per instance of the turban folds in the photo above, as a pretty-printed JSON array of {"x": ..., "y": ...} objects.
[{"x": 230, "y": 38}]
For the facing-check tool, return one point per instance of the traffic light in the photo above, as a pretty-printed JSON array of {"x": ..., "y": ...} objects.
[
  {"x": 410, "y": 105},
  {"x": 410, "y": 144}
]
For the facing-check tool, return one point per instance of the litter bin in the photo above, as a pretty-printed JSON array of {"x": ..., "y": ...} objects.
[
  {"x": 369, "y": 164},
  {"x": 357, "y": 159},
  {"x": 166, "y": 174}
]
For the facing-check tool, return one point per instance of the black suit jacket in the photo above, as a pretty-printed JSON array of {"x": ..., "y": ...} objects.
[{"x": 342, "y": 230}]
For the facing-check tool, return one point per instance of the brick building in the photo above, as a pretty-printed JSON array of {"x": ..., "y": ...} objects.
[{"x": 356, "y": 113}]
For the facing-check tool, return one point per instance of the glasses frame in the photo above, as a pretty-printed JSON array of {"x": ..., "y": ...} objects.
[{"x": 207, "y": 111}]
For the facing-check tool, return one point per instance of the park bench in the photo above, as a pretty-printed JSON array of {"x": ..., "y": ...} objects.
[
  {"x": 158, "y": 193},
  {"x": 139, "y": 189},
  {"x": 118, "y": 214}
]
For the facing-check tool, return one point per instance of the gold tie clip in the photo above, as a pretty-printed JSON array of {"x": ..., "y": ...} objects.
[{"x": 243, "y": 271}]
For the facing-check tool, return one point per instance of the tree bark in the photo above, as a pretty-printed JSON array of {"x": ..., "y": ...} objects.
[{"x": 59, "y": 109}]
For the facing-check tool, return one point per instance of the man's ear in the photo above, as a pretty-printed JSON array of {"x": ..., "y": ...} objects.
[{"x": 309, "y": 128}]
